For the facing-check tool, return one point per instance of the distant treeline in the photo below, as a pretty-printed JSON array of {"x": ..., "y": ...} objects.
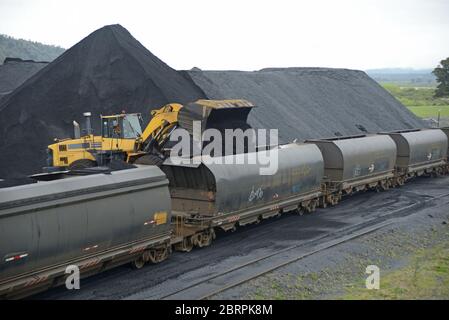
[
  {"x": 403, "y": 76},
  {"x": 27, "y": 50}
]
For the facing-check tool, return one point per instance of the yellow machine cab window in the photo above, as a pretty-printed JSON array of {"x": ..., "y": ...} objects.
[{"x": 123, "y": 126}]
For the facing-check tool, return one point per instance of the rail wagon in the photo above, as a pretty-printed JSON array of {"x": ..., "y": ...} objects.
[
  {"x": 446, "y": 132},
  {"x": 95, "y": 222},
  {"x": 420, "y": 151},
  {"x": 208, "y": 195},
  {"x": 356, "y": 163}
]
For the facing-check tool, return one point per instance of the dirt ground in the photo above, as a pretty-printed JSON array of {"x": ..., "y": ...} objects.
[{"x": 412, "y": 254}]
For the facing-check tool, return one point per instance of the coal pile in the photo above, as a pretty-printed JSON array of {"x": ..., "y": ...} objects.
[
  {"x": 110, "y": 71},
  {"x": 14, "y": 72},
  {"x": 105, "y": 73},
  {"x": 304, "y": 103}
]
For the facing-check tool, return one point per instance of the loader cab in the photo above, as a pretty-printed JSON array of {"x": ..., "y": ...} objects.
[{"x": 121, "y": 126}]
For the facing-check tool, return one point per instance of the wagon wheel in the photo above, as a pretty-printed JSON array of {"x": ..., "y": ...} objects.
[
  {"x": 336, "y": 200},
  {"x": 158, "y": 255},
  {"x": 162, "y": 255},
  {"x": 310, "y": 206},
  {"x": 203, "y": 240},
  {"x": 323, "y": 202},
  {"x": 138, "y": 263},
  {"x": 207, "y": 240},
  {"x": 333, "y": 199},
  {"x": 186, "y": 245},
  {"x": 330, "y": 199},
  {"x": 306, "y": 205},
  {"x": 391, "y": 183},
  {"x": 314, "y": 204}
]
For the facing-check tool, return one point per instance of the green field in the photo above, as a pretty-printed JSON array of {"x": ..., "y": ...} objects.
[
  {"x": 420, "y": 100},
  {"x": 430, "y": 111}
]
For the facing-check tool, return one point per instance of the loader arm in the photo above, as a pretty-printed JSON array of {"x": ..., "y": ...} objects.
[{"x": 160, "y": 124}]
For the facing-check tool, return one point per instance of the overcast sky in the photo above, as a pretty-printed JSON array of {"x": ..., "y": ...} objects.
[{"x": 247, "y": 34}]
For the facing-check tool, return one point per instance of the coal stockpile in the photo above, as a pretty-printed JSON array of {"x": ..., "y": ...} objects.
[
  {"x": 304, "y": 103},
  {"x": 14, "y": 72},
  {"x": 105, "y": 73}
]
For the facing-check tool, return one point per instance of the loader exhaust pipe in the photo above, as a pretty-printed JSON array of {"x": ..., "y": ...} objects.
[
  {"x": 87, "y": 115},
  {"x": 76, "y": 130}
]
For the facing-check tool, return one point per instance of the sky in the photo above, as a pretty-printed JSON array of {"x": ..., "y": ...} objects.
[{"x": 250, "y": 34}]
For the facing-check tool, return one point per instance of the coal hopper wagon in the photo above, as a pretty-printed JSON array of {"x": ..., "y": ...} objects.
[
  {"x": 356, "y": 163},
  {"x": 420, "y": 151},
  {"x": 446, "y": 132},
  {"x": 94, "y": 222},
  {"x": 232, "y": 191}
]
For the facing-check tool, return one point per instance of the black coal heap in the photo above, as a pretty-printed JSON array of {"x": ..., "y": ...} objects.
[{"x": 105, "y": 73}]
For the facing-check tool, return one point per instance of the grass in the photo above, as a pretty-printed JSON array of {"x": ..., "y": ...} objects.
[
  {"x": 420, "y": 100},
  {"x": 430, "y": 111},
  {"x": 425, "y": 277},
  {"x": 412, "y": 266},
  {"x": 415, "y": 96}
]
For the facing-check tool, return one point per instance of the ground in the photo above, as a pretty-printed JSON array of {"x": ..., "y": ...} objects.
[
  {"x": 426, "y": 276},
  {"x": 412, "y": 254},
  {"x": 411, "y": 267},
  {"x": 407, "y": 238}
]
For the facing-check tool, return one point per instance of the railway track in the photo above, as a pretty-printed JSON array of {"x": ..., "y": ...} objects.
[
  {"x": 208, "y": 274},
  {"x": 212, "y": 285}
]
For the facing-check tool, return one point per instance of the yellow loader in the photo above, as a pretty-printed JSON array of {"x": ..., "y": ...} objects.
[{"x": 123, "y": 139}]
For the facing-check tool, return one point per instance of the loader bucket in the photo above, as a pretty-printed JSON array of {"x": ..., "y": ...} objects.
[{"x": 218, "y": 114}]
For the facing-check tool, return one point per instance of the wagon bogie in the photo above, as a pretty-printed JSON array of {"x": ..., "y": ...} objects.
[
  {"x": 158, "y": 254},
  {"x": 204, "y": 238},
  {"x": 185, "y": 245}
]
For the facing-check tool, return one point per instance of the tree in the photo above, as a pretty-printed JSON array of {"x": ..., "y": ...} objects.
[{"x": 442, "y": 74}]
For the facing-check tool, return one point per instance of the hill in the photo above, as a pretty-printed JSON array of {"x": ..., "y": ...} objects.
[
  {"x": 15, "y": 71},
  {"x": 27, "y": 50}
]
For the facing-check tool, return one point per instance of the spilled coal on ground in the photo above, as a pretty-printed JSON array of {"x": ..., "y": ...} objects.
[
  {"x": 305, "y": 103},
  {"x": 105, "y": 73},
  {"x": 110, "y": 71},
  {"x": 15, "y": 71}
]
